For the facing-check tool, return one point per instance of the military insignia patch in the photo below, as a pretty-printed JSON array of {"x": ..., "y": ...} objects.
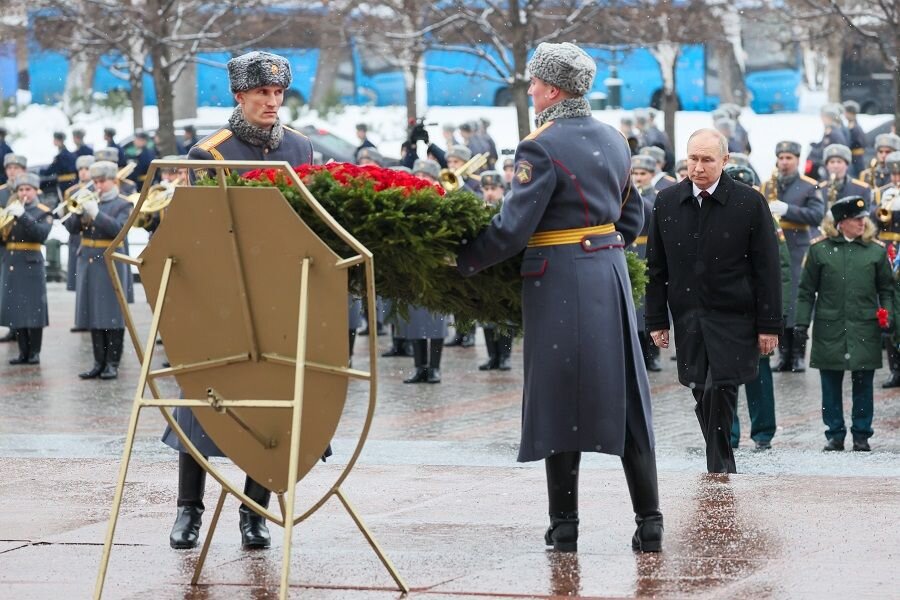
[{"x": 523, "y": 172}]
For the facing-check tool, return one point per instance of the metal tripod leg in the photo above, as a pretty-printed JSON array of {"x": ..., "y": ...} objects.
[{"x": 209, "y": 536}]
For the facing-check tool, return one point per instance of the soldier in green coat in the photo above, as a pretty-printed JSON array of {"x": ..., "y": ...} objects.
[{"x": 847, "y": 279}]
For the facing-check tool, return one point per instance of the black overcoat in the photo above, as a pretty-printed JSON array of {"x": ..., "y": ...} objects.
[{"x": 716, "y": 267}]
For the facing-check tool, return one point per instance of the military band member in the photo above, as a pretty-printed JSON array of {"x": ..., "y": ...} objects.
[
  {"x": 509, "y": 168},
  {"x": 886, "y": 216},
  {"x": 369, "y": 156},
  {"x": 456, "y": 157},
  {"x": 83, "y": 164},
  {"x": 838, "y": 160},
  {"x": 126, "y": 185},
  {"x": 81, "y": 149},
  {"x": 62, "y": 167},
  {"x": 650, "y": 134},
  {"x": 681, "y": 170},
  {"x": 877, "y": 174},
  {"x": 143, "y": 158},
  {"x": 643, "y": 170},
  {"x": 96, "y": 306},
  {"x": 800, "y": 208},
  {"x": 14, "y": 165},
  {"x": 23, "y": 298},
  {"x": 834, "y": 127},
  {"x": 258, "y": 81},
  {"x": 857, "y": 138},
  {"x": 660, "y": 180},
  {"x": 733, "y": 112},
  {"x": 574, "y": 209}
]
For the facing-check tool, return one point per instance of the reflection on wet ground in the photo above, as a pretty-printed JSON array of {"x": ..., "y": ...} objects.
[{"x": 440, "y": 490}]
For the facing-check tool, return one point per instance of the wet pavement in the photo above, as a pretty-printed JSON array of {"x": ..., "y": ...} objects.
[{"x": 439, "y": 487}]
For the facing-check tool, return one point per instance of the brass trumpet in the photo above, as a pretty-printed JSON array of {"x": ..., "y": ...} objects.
[
  {"x": 832, "y": 189},
  {"x": 884, "y": 213},
  {"x": 159, "y": 197},
  {"x": 75, "y": 202},
  {"x": 772, "y": 187},
  {"x": 6, "y": 217},
  {"x": 868, "y": 176},
  {"x": 453, "y": 180}
]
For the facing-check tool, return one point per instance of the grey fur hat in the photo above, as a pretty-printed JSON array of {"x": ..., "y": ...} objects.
[
  {"x": 15, "y": 159},
  {"x": 84, "y": 162},
  {"x": 491, "y": 178},
  {"x": 104, "y": 168},
  {"x": 789, "y": 147},
  {"x": 31, "y": 179},
  {"x": 644, "y": 162},
  {"x": 565, "y": 66},
  {"x": 110, "y": 154},
  {"x": 834, "y": 111},
  {"x": 837, "y": 151},
  {"x": 401, "y": 168},
  {"x": 370, "y": 154},
  {"x": 657, "y": 153},
  {"x": 887, "y": 140},
  {"x": 892, "y": 162},
  {"x": 458, "y": 151},
  {"x": 428, "y": 167},
  {"x": 680, "y": 164},
  {"x": 258, "y": 69}
]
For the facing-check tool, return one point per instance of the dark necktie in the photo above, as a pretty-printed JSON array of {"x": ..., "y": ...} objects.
[{"x": 704, "y": 194}]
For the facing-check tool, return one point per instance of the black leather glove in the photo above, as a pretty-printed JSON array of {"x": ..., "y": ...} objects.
[
  {"x": 801, "y": 336},
  {"x": 418, "y": 133}
]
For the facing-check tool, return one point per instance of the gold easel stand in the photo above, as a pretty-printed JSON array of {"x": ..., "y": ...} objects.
[{"x": 252, "y": 306}]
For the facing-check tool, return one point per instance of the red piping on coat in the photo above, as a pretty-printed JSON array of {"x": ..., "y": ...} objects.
[{"x": 587, "y": 214}]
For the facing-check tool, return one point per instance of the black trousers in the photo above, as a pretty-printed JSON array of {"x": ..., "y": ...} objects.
[{"x": 716, "y": 406}]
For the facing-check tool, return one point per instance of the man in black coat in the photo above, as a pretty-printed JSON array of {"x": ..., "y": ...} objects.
[{"x": 713, "y": 261}]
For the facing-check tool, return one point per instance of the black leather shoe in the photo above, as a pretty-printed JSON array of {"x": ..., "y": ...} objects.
[
  {"x": 892, "y": 382},
  {"x": 490, "y": 365},
  {"x": 93, "y": 373},
  {"x": 34, "y": 359},
  {"x": 563, "y": 533},
  {"x": 110, "y": 371},
  {"x": 467, "y": 341},
  {"x": 186, "y": 530},
  {"x": 861, "y": 446},
  {"x": 420, "y": 376},
  {"x": 78, "y": 329},
  {"x": 504, "y": 364},
  {"x": 394, "y": 351},
  {"x": 648, "y": 536},
  {"x": 19, "y": 360},
  {"x": 798, "y": 365},
  {"x": 254, "y": 531},
  {"x": 653, "y": 364},
  {"x": 763, "y": 446},
  {"x": 433, "y": 375},
  {"x": 834, "y": 446}
]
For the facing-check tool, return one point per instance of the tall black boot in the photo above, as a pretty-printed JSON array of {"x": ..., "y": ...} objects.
[
  {"x": 35, "y": 340},
  {"x": 434, "y": 360},
  {"x": 640, "y": 473},
  {"x": 350, "y": 346},
  {"x": 490, "y": 343},
  {"x": 98, "y": 343},
  {"x": 562, "y": 495},
  {"x": 396, "y": 348},
  {"x": 254, "y": 532},
  {"x": 114, "y": 339},
  {"x": 893, "y": 355},
  {"x": 191, "y": 484},
  {"x": 420, "y": 361},
  {"x": 22, "y": 339},
  {"x": 798, "y": 356},
  {"x": 785, "y": 356},
  {"x": 503, "y": 346}
]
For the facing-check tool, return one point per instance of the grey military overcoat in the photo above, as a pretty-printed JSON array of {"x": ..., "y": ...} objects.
[
  {"x": 583, "y": 362},
  {"x": 23, "y": 303},
  {"x": 422, "y": 324},
  {"x": 96, "y": 306}
]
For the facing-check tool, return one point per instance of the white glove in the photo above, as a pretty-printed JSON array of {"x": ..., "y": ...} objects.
[
  {"x": 60, "y": 210},
  {"x": 895, "y": 203},
  {"x": 16, "y": 209},
  {"x": 778, "y": 208},
  {"x": 91, "y": 208}
]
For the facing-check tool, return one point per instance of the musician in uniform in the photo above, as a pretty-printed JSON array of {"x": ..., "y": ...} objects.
[
  {"x": 258, "y": 81},
  {"x": 644, "y": 169},
  {"x": 456, "y": 157},
  {"x": 126, "y": 186},
  {"x": 81, "y": 149},
  {"x": 838, "y": 160},
  {"x": 14, "y": 165},
  {"x": 143, "y": 158},
  {"x": 877, "y": 175},
  {"x": 62, "y": 167},
  {"x": 660, "y": 180},
  {"x": 23, "y": 297},
  {"x": 574, "y": 209},
  {"x": 83, "y": 164},
  {"x": 886, "y": 216},
  {"x": 796, "y": 201},
  {"x": 857, "y": 138},
  {"x": 96, "y": 306}
]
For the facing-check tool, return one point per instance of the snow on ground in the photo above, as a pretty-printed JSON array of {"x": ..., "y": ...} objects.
[{"x": 31, "y": 131}]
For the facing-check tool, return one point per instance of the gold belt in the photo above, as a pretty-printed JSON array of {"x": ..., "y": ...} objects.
[
  {"x": 67, "y": 177},
  {"x": 559, "y": 237},
  {"x": 23, "y": 246},
  {"x": 889, "y": 236},
  {"x": 858, "y": 151},
  {"x": 96, "y": 243},
  {"x": 793, "y": 226},
  {"x": 641, "y": 240}
]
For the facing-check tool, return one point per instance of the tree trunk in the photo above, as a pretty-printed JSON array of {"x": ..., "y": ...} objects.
[
  {"x": 77, "y": 90},
  {"x": 165, "y": 104},
  {"x": 731, "y": 80},
  {"x": 411, "y": 85},
  {"x": 136, "y": 80},
  {"x": 330, "y": 58},
  {"x": 670, "y": 106},
  {"x": 519, "y": 87},
  {"x": 185, "y": 92},
  {"x": 24, "y": 82},
  {"x": 897, "y": 97},
  {"x": 833, "y": 56}
]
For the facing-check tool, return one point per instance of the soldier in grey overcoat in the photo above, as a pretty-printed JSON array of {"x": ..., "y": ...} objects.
[
  {"x": 83, "y": 164},
  {"x": 574, "y": 210},
  {"x": 96, "y": 306},
  {"x": 838, "y": 160},
  {"x": 126, "y": 186},
  {"x": 660, "y": 179},
  {"x": 800, "y": 209},
  {"x": 13, "y": 166},
  {"x": 885, "y": 214},
  {"x": 643, "y": 169},
  {"x": 258, "y": 81},
  {"x": 23, "y": 296}
]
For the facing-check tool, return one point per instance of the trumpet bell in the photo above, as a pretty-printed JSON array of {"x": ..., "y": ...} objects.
[{"x": 6, "y": 217}]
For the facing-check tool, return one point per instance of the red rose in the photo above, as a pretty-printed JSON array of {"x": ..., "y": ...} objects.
[{"x": 882, "y": 315}]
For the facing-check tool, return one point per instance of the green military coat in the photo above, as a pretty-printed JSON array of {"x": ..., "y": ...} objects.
[{"x": 846, "y": 282}]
